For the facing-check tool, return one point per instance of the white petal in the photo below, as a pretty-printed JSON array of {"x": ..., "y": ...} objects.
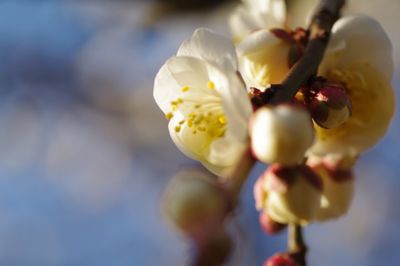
[
  {"x": 224, "y": 155},
  {"x": 257, "y": 41},
  {"x": 365, "y": 41},
  {"x": 236, "y": 102},
  {"x": 275, "y": 8},
  {"x": 193, "y": 146},
  {"x": 255, "y": 15},
  {"x": 225, "y": 151},
  {"x": 209, "y": 46},
  {"x": 242, "y": 22},
  {"x": 175, "y": 74}
]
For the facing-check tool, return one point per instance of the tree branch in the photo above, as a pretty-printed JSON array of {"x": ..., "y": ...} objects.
[{"x": 324, "y": 17}]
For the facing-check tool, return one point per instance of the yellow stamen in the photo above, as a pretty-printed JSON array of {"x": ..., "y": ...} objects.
[
  {"x": 177, "y": 129},
  {"x": 211, "y": 85},
  {"x": 185, "y": 89},
  {"x": 169, "y": 116},
  {"x": 222, "y": 119}
]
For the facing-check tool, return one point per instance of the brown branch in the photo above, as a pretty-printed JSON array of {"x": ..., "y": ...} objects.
[
  {"x": 324, "y": 17},
  {"x": 296, "y": 245}
]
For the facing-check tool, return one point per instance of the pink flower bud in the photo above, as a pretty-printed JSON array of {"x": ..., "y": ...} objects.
[
  {"x": 195, "y": 204},
  {"x": 330, "y": 106},
  {"x": 270, "y": 226},
  {"x": 281, "y": 259}
]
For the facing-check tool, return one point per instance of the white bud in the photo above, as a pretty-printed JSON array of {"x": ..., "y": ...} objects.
[
  {"x": 294, "y": 194},
  {"x": 281, "y": 134}
]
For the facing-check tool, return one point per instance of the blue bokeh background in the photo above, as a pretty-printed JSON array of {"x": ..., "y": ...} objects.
[{"x": 85, "y": 153}]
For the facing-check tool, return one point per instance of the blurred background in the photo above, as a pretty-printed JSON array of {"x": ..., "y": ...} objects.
[{"x": 85, "y": 153}]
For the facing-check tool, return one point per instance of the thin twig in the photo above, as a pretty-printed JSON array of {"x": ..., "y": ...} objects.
[
  {"x": 296, "y": 244},
  {"x": 324, "y": 17}
]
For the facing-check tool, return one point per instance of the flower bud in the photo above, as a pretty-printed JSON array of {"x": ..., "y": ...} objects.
[
  {"x": 294, "y": 194},
  {"x": 281, "y": 259},
  {"x": 338, "y": 190},
  {"x": 330, "y": 106},
  {"x": 281, "y": 134},
  {"x": 270, "y": 226},
  {"x": 195, "y": 204}
]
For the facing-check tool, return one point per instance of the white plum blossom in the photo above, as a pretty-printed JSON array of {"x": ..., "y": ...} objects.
[
  {"x": 263, "y": 58},
  {"x": 281, "y": 134},
  {"x": 359, "y": 56},
  {"x": 205, "y": 99},
  {"x": 254, "y": 15}
]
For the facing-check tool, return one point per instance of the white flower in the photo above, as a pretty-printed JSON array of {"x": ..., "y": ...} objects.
[
  {"x": 281, "y": 134},
  {"x": 201, "y": 93},
  {"x": 360, "y": 57},
  {"x": 263, "y": 58},
  {"x": 254, "y": 15}
]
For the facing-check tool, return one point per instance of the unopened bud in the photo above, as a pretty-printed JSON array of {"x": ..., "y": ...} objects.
[
  {"x": 270, "y": 226},
  {"x": 281, "y": 259},
  {"x": 195, "y": 204},
  {"x": 294, "y": 194},
  {"x": 281, "y": 134},
  {"x": 330, "y": 106}
]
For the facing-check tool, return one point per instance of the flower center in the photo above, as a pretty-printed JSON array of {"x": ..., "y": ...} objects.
[
  {"x": 363, "y": 85},
  {"x": 202, "y": 112}
]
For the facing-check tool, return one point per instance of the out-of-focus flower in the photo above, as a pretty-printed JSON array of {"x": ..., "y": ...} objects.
[
  {"x": 289, "y": 195},
  {"x": 254, "y": 15},
  {"x": 281, "y": 134},
  {"x": 359, "y": 56},
  {"x": 205, "y": 100},
  {"x": 338, "y": 186},
  {"x": 195, "y": 204}
]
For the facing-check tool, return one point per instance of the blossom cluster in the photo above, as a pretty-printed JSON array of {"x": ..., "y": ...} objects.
[{"x": 213, "y": 94}]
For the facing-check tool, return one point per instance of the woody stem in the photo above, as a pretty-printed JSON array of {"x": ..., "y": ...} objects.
[
  {"x": 296, "y": 245},
  {"x": 326, "y": 14}
]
